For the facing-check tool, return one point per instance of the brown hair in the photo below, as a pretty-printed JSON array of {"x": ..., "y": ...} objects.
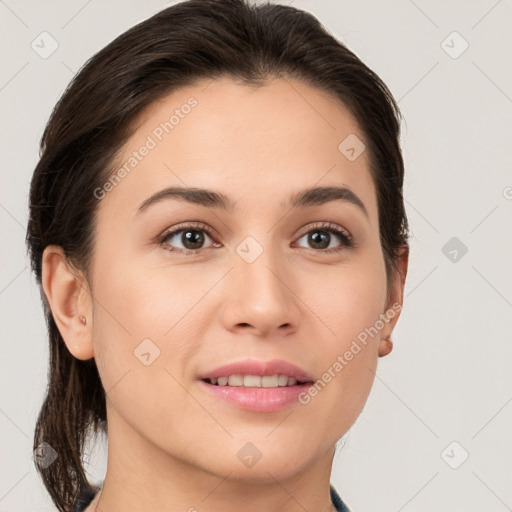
[{"x": 182, "y": 44}]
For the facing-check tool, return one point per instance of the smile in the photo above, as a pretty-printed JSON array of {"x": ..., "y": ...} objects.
[{"x": 255, "y": 381}]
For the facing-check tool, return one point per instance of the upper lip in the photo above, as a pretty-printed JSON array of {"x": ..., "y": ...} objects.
[{"x": 262, "y": 368}]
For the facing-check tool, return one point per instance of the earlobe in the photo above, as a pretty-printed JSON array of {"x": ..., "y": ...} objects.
[
  {"x": 385, "y": 347},
  {"x": 69, "y": 302}
]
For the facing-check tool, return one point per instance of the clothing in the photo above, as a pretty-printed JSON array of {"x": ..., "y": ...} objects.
[
  {"x": 338, "y": 503},
  {"x": 85, "y": 499},
  {"x": 83, "y": 502}
]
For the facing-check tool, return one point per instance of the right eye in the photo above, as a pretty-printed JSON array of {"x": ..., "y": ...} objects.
[{"x": 191, "y": 236}]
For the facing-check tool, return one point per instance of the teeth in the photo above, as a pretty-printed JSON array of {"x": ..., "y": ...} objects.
[
  {"x": 236, "y": 380},
  {"x": 252, "y": 381},
  {"x": 282, "y": 380},
  {"x": 255, "y": 381},
  {"x": 269, "y": 381}
]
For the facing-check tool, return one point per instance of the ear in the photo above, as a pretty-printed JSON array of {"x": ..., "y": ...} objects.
[
  {"x": 70, "y": 302},
  {"x": 394, "y": 301}
]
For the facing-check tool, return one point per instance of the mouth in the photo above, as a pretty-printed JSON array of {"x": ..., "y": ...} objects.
[
  {"x": 256, "y": 381},
  {"x": 255, "y": 385},
  {"x": 256, "y": 393}
]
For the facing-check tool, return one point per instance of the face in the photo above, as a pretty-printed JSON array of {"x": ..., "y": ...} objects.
[{"x": 184, "y": 286}]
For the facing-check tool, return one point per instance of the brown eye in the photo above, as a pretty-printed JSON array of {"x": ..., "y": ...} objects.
[
  {"x": 191, "y": 239},
  {"x": 186, "y": 239},
  {"x": 324, "y": 238}
]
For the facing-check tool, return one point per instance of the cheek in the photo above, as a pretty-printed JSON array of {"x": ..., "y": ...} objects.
[
  {"x": 146, "y": 332},
  {"x": 146, "y": 301},
  {"x": 348, "y": 302},
  {"x": 147, "y": 318},
  {"x": 347, "y": 299}
]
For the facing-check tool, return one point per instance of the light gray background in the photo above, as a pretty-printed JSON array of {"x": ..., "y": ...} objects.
[{"x": 449, "y": 376}]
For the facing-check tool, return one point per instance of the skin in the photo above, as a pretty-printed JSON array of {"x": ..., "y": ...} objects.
[{"x": 172, "y": 446}]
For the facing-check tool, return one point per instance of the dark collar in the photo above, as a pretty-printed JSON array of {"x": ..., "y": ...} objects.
[{"x": 337, "y": 501}]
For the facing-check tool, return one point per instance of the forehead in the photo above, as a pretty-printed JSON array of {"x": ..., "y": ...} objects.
[{"x": 244, "y": 141}]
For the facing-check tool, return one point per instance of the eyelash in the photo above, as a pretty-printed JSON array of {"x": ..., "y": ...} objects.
[{"x": 346, "y": 238}]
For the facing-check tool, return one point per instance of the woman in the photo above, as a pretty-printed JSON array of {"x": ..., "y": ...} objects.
[{"x": 218, "y": 229}]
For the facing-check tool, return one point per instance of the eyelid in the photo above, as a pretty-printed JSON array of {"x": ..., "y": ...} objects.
[
  {"x": 200, "y": 226},
  {"x": 328, "y": 226}
]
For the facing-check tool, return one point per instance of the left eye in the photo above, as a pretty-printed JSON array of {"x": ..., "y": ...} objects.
[{"x": 321, "y": 238}]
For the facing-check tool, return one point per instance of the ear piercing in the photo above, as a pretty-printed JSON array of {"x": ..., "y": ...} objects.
[{"x": 83, "y": 320}]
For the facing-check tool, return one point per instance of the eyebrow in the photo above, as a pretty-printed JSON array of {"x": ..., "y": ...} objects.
[{"x": 212, "y": 199}]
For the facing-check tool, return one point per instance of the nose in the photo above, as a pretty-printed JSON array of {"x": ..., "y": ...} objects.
[{"x": 260, "y": 296}]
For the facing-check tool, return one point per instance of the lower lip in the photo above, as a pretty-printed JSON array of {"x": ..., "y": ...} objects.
[{"x": 258, "y": 399}]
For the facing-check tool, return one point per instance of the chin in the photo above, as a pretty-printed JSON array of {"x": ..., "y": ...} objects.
[{"x": 260, "y": 462}]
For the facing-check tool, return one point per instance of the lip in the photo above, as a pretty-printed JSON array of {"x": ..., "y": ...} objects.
[
  {"x": 257, "y": 399},
  {"x": 261, "y": 368},
  {"x": 253, "y": 398}
]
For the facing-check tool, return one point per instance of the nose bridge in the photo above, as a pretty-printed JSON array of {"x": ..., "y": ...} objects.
[{"x": 259, "y": 262}]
